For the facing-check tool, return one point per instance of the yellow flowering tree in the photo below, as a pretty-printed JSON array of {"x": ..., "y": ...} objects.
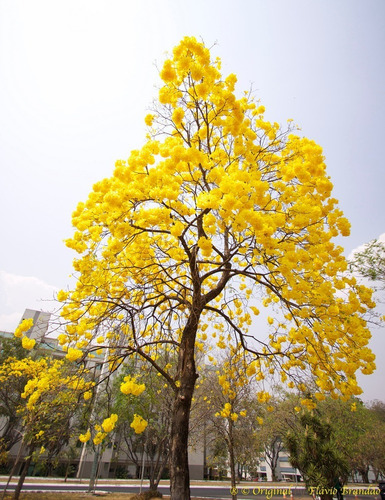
[
  {"x": 51, "y": 400},
  {"x": 219, "y": 214},
  {"x": 11, "y": 387}
]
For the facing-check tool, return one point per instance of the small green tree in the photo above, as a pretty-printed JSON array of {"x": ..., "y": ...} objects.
[
  {"x": 368, "y": 450},
  {"x": 315, "y": 452},
  {"x": 377, "y": 408}
]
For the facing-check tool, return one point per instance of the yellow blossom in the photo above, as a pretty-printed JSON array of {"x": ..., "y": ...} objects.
[
  {"x": 130, "y": 386},
  {"x": 149, "y": 119},
  {"x": 73, "y": 354},
  {"x": 138, "y": 424},
  {"x": 87, "y": 395},
  {"x": 24, "y": 326},
  {"x": 28, "y": 343},
  {"x": 62, "y": 295},
  {"x": 109, "y": 423},
  {"x": 99, "y": 437}
]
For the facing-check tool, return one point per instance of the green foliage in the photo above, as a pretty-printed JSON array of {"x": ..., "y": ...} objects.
[
  {"x": 359, "y": 433},
  {"x": 349, "y": 434},
  {"x": 11, "y": 347}
]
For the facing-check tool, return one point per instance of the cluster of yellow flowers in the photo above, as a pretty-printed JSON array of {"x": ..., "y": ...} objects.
[
  {"x": 24, "y": 326},
  {"x": 26, "y": 367},
  {"x": 73, "y": 354},
  {"x": 227, "y": 412},
  {"x": 84, "y": 438},
  {"x": 138, "y": 424},
  {"x": 28, "y": 343},
  {"x": 107, "y": 426},
  {"x": 51, "y": 376},
  {"x": 109, "y": 423},
  {"x": 130, "y": 386}
]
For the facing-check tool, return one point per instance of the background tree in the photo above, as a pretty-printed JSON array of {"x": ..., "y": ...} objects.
[
  {"x": 218, "y": 211},
  {"x": 150, "y": 449},
  {"x": 356, "y": 428},
  {"x": 370, "y": 262},
  {"x": 231, "y": 426},
  {"x": 277, "y": 419},
  {"x": 377, "y": 408}
]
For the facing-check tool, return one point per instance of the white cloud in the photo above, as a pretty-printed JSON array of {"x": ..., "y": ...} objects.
[{"x": 18, "y": 293}]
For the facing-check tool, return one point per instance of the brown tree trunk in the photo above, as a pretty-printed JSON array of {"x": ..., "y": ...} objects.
[
  {"x": 232, "y": 463},
  {"x": 179, "y": 466},
  {"x": 22, "y": 476},
  {"x": 187, "y": 375}
]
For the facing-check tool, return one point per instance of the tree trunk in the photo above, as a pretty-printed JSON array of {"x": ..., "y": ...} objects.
[
  {"x": 232, "y": 463},
  {"x": 23, "y": 474},
  {"x": 179, "y": 467},
  {"x": 364, "y": 473},
  {"x": 365, "y": 476},
  {"x": 160, "y": 465}
]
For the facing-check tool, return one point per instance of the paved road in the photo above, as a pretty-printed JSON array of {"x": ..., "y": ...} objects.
[
  {"x": 244, "y": 491},
  {"x": 205, "y": 491}
]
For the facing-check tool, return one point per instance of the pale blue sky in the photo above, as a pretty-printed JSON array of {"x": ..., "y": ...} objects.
[{"x": 77, "y": 77}]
